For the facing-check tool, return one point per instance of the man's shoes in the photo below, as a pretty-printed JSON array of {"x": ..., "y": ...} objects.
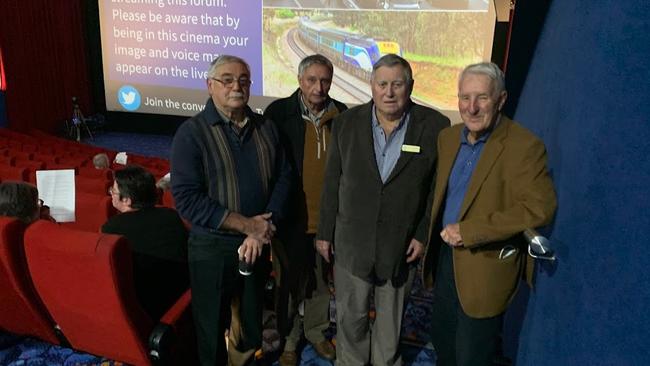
[
  {"x": 288, "y": 358},
  {"x": 325, "y": 349}
]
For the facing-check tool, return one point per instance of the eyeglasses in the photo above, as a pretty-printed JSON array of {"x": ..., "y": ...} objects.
[
  {"x": 112, "y": 191},
  {"x": 229, "y": 81}
]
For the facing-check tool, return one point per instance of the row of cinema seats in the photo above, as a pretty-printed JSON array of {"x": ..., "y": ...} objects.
[
  {"x": 21, "y": 155},
  {"x": 76, "y": 289},
  {"x": 39, "y": 150}
]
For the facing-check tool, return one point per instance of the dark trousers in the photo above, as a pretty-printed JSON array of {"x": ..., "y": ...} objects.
[
  {"x": 304, "y": 277},
  {"x": 459, "y": 340},
  {"x": 217, "y": 287}
]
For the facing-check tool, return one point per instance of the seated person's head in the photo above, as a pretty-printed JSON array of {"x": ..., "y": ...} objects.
[
  {"x": 19, "y": 200},
  {"x": 134, "y": 188},
  {"x": 100, "y": 161}
]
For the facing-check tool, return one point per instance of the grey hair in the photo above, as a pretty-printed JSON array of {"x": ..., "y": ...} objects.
[
  {"x": 391, "y": 60},
  {"x": 226, "y": 59},
  {"x": 101, "y": 161},
  {"x": 19, "y": 200},
  {"x": 316, "y": 59},
  {"x": 489, "y": 69}
]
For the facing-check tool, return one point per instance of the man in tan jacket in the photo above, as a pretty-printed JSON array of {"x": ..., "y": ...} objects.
[{"x": 491, "y": 185}]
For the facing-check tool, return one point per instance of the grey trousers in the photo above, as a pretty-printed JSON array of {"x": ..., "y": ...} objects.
[{"x": 358, "y": 342}]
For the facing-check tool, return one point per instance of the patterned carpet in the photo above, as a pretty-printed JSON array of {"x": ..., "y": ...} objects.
[{"x": 24, "y": 351}]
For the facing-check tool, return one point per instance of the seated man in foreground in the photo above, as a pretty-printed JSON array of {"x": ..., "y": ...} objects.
[{"x": 158, "y": 240}]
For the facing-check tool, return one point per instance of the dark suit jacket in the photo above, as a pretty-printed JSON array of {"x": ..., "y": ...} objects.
[
  {"x": 509, "y": 191},
  {"x": 372, "y": 223}
]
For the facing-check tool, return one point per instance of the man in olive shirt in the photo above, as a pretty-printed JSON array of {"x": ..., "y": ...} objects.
[{"x": 304, "y": 120}]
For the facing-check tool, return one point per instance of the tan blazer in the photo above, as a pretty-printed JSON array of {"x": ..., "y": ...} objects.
[{"x": 509, "y": 191}]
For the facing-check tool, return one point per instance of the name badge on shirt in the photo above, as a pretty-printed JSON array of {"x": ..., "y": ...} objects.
[{"x": 411, "y": 148}]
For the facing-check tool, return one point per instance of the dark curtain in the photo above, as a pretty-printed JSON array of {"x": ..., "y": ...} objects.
[{"x": 44, "y": 60}]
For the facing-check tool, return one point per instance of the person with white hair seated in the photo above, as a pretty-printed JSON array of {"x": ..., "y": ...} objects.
[{"x": 101, "y": 161}]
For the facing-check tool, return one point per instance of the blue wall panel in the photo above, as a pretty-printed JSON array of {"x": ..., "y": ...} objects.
[{"x": 586, "y": 95}]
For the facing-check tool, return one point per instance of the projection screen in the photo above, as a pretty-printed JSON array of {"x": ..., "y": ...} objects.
[{"x": 156, "y": 52}]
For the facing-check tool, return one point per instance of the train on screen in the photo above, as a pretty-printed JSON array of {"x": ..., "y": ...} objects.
[{"x": 353, "y": 52}]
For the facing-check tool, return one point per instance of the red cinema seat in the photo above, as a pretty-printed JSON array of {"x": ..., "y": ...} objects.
[
  {"x": 72, "y": 161},
  {"x": 21, "y": 155},
  {"x": 13, "y": 173},
  {"x": 15, "y": 144},
  {"x": 45, "y": 149},
  {"x": 97, "y": 186},
  {"x": 91, "y": 211},
  {"x": 22, "y": 310},
  {"x": 7, "y": 160},
  {"x": 168, "y": 199},
  {"x": 53, "y": 166},
  {"x": 31, "y": 167},
  {"x": 46, "y": 158},
  {"x": 28, "y": 147},
  {"x": 86, "y": 283},
  {"x": 92, "y": 172}
]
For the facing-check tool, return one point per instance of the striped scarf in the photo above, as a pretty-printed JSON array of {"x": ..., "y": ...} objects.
[{"x": 226, "y": 189}]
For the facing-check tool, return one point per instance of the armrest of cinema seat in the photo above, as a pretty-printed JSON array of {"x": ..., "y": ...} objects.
[{"x": 174, "y": 327}]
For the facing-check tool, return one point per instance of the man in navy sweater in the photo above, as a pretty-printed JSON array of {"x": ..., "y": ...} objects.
[{"x": 230, "y": 180}]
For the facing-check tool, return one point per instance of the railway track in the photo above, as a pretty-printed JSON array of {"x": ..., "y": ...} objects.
[{"x": 349, "y": 86}]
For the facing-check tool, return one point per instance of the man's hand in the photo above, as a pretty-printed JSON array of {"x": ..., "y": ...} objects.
[
  {"x": 250, "y": 249},
  {"x": 451, "y": 235},
  {"x": 260, "y": 227},
  {"x": 324, "y": 248},
  {"x": 414, "y": 251}
]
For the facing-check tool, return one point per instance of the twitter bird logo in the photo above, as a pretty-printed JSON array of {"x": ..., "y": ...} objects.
[{"x": 129, "y": 97}]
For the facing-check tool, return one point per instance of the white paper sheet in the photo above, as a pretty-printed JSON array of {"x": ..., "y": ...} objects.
[
  {"x": 121, "y": 158},
  {"x": 56, "y": 189}
]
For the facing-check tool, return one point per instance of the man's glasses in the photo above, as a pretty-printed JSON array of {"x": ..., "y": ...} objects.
[
  {"x": 112, "y": 191},
  {"x": 228, "y": 81}
]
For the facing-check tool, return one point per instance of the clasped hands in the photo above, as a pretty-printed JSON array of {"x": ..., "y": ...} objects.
[{"x": 259, "y": 230}]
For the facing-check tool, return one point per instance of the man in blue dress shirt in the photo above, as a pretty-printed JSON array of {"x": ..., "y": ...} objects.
[
  {"x": 491, "y": 185},
  {"x": 376, "y": 196}
]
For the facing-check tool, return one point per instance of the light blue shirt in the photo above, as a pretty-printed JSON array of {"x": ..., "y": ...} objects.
[{"x": 387, "y": 150}]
